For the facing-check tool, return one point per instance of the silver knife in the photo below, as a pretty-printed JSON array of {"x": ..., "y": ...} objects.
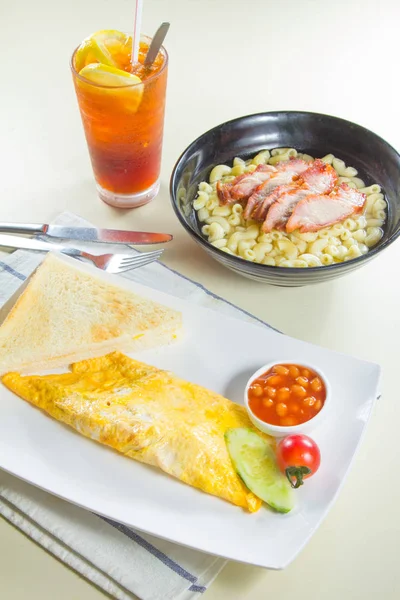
[{"x": 87, "y": 234}]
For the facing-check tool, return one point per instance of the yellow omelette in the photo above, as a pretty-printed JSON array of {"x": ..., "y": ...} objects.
[{"x": 149, "y": 415}]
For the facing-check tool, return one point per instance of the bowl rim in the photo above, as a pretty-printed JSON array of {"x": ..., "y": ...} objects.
[
  {"x": 266, "y": 269},
  {"x": 288, "y": 429}
]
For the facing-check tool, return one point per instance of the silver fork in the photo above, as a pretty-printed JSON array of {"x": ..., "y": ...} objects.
[{"x": 112, "y": 263}]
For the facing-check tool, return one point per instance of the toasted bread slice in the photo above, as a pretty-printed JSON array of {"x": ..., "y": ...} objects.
[{"x": 67, "y": 314}]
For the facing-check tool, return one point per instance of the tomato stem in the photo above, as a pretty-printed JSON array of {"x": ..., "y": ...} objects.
[{"x": 298, "y": 473}]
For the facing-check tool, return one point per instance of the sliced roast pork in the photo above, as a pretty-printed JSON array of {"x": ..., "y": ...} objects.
[
  {"x": 320, "y": 210},
  {"x": 286, "y": 171},
  {"x": 280, "y": 211},
  {"x": 243, "y": 186}
]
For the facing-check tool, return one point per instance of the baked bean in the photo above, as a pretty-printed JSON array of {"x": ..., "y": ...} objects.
[
  {"x": 257, "y": 390},
  {"x": 283, "y": 393},
  {"x": 270, "y": 391},
  {"x": 299, "y": 390},
  {"x": 281, "y": 409},
  {"x": 310, "y": 401},
  {"x": 275, "y": 381},
  {"x": 294, "y": 371},
  {"x": 268, "y": 402},
  {"x": 281, "y": 370},
  {"x": 302, "y": 381},
  {"x": 316, "y": 384}
]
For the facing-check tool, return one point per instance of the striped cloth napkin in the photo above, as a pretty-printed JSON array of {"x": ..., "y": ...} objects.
[{"x": 121, "y": 561}]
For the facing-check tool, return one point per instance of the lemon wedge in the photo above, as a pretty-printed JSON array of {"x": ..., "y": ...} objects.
[
  {"x": 110, "y": 77},
  {"x": 101, "y": 49},
  {"x": 81, "y": 56},
  {"x": 102, "y": 46}
]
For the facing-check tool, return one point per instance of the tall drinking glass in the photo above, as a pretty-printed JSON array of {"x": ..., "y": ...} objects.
[{"x": 124, "y": 129}]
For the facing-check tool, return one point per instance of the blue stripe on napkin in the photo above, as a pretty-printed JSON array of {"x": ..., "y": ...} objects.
[
  {"x": 200, "y": 589},
  {"x": 168, "y": 562},
  {"x": 5, "y": 267}
]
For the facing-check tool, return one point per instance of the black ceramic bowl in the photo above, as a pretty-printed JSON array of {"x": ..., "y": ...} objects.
[{"x": 312, "y": 133}]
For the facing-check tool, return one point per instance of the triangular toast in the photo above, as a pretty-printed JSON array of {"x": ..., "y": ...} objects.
[{"x": 67, "y": 314}]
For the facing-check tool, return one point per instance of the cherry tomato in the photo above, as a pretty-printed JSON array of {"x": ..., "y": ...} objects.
[{"x": 298, "y": 457}]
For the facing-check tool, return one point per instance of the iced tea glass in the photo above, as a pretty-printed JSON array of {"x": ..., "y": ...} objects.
[{"x": 124, "y": 131}]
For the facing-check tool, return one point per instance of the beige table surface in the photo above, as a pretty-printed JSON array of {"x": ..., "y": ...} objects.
[{"x": 228, "y": 58}]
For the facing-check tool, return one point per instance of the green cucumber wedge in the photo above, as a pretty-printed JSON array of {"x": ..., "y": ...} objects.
[{"x": 255, "y": 463}]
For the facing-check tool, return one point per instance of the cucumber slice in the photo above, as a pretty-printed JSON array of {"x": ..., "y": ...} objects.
[{"x": 254, "y": 461}]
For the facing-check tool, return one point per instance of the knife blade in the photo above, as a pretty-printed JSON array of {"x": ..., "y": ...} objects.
[{"x": 87, "y": 234}]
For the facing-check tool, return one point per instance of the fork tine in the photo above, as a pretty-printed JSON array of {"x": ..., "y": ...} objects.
[
  {"x": 145, "y": 260},
  {"x": 138, "y": 263},
  {"x": 135, "y": 265},
  {"x": 140, "y": 258},
  {"x": 143, "y": 255}
]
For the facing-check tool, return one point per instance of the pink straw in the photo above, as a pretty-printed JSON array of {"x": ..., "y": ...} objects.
[{"x": 136, "y": 31}]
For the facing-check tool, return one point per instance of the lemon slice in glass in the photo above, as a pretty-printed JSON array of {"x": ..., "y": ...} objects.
[
  {"x": 104, "y": 46},
  {"x": 83, "y": 56},
  {"x": 123, "y": 82},
  {"x": 102, "y": 42}
]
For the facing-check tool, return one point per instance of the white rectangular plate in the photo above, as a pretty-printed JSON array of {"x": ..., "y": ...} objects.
[{"x": 220, "y": 353}]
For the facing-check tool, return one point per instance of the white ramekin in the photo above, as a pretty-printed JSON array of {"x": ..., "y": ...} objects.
[{"x": 282, "y": 431}]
